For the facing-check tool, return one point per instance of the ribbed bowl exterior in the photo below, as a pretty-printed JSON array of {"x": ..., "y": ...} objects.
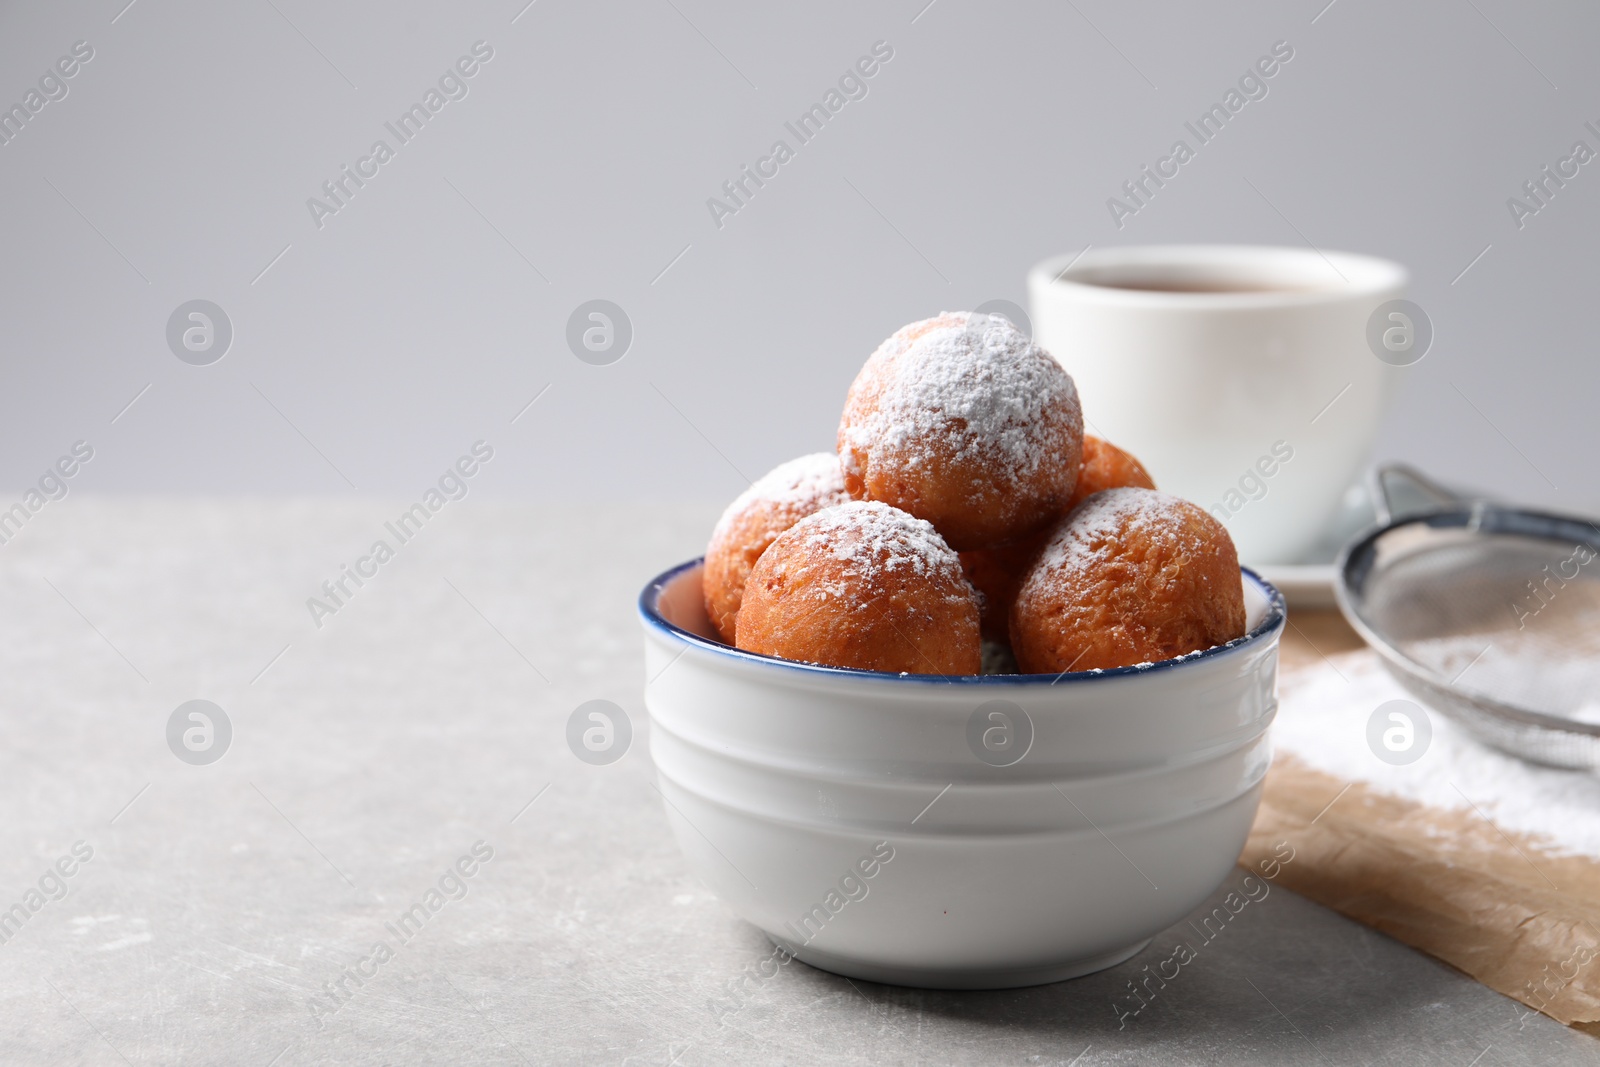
[{"x": 785, "y": 784}]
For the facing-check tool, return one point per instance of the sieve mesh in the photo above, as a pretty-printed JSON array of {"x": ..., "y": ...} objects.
[{"x": 1490, "y": 615}]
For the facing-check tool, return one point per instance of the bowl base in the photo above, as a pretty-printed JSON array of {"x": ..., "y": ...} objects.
[{"x": 959, "y": 977}]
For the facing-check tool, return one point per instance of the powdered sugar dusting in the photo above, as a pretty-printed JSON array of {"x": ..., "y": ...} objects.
[
  {"x": 970, "y": 387},
  {"x": 872, "y": 539},
  {"x": 795, "y": 488},
  {"x": 1107, "y": 516}
]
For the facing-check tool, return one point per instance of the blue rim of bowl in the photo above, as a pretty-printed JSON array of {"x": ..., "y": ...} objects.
[{"x": 1271, "y": 623}]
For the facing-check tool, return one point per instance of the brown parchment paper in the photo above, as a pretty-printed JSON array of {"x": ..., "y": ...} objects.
[{"x": 1495, "y": 905}]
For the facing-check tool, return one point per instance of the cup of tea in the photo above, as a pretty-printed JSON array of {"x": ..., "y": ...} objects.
[{"x": 1243, "y": 377}]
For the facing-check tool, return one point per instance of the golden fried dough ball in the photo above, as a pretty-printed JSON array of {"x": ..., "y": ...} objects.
[
  {"x": 1129, "y": 576},
  {"x": 964, "y": 421},
  {"x": 862, "y": 585},
  {"x": 997, "y": 573},
  {"x": 776, "y": 501},
  {"x": 1105, "y": 466}
]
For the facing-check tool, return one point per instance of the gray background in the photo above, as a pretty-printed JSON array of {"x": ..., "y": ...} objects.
[{"x": 416, "y": 320}]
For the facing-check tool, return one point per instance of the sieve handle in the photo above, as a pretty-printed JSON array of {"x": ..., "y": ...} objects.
[{"x": 1383, "y": 475}]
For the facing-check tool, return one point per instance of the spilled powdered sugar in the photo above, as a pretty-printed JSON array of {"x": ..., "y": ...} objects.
[
  {"x": 1323, "y": 721},
  {"x": 974, "y": 386},
  {"x": 799, "y": 486}
]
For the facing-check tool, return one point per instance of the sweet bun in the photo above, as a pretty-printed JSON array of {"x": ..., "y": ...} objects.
[
  {"x": 997, "y": 572},
  {"x": 1105, "y": 466},
  {"x": 963, "y": 421},
  {"x": 776, "y": 501},
  {"x": 1129, "y": 576},
  {"x": 862, "y": 585}
]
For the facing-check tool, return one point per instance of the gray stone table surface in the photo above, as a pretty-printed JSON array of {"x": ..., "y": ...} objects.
[{"x": 220, "y": 902}]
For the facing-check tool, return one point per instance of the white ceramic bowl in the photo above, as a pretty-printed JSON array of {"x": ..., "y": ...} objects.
[{"x": 847, "y": 815}]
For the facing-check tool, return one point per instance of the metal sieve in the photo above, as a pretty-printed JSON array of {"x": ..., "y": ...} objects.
[{"x": 1487, "y": 613}]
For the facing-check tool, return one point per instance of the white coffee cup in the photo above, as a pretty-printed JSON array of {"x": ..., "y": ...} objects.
[{"x": 1242, "y": 377}]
